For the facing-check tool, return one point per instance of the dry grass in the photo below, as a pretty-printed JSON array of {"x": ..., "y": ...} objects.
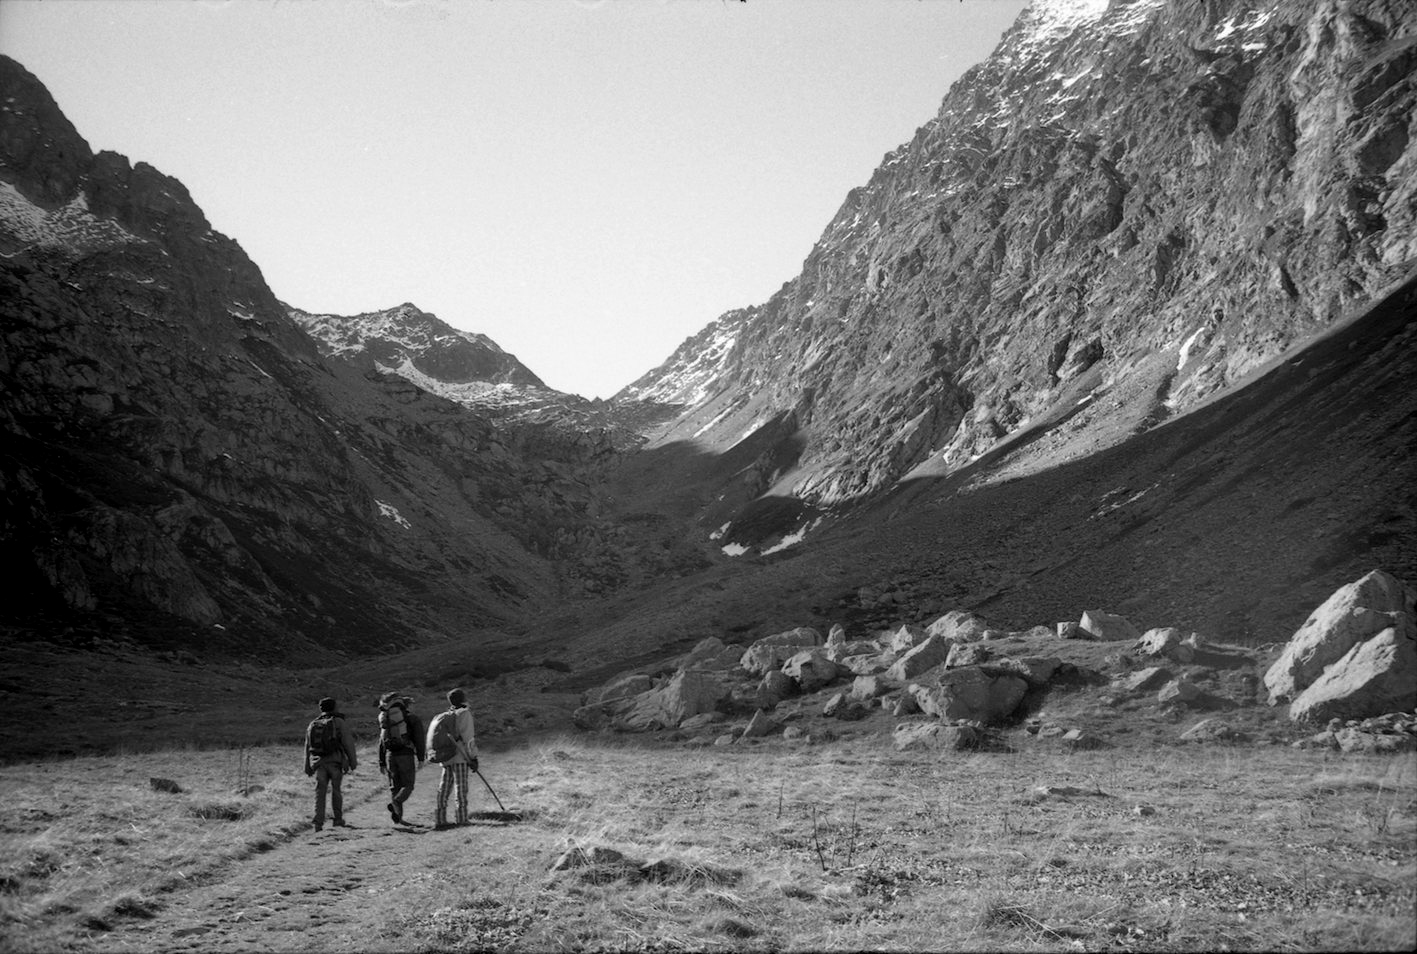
[
  {"x": 89, "y": 842},
  {"x": 774, "y": 846}
]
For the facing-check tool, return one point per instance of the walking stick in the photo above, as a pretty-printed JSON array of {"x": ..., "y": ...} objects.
[{"x": 494, "y": 794}]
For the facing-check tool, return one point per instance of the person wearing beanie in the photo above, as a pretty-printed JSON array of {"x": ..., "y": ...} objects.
[
  {"x": 329, "y": 754},
  {"x": 400, "y": 746},
  {"x": 463, "y": 760}
]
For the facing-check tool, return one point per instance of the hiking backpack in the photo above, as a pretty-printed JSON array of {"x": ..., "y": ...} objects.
[
  {"x": 394, "y": 728},
  {"x": 321, "y": 739},
  {"x": 442, "y": 736}
]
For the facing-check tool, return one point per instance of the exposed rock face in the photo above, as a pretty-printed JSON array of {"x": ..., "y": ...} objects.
[
  {"x": 1127, "y": 207},
  {"x": 1353, "y": 614}
]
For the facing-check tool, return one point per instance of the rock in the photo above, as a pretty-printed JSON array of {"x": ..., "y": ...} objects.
[
  {"x": 865, "y": 688},
  {"x": 836, "y": 636},
  {"x": 834, "y": 705},
  {"x": 774, "y": 687},
  {"x": 688, "y": 693},
  {"x": 1107, "y": 627},
  {"x": 1374, "y": 743},
  {"x": 1036, "y": 632},
  {"x": 967, "y": 654},
  {"x": 810, "y": 669},
  {"x": 1080, "y": 740},
  {"x": 792, "y": 733},
  {"x": 1144, "y": 679},
  {"x": 905, "y": 638},
  {"x": 771, "y": 652},
  {"x": 712, "y": 655},
  {"x": 700, "y": 720},
  {"x": 1211, "y": 730},
  {"x": 841, "y": 706},
  {"x": 971, "y": 694},
  {"x": 935, "y": 737},
  {"x": 165, "y": 785},
  {"x": 1182, "y": 691},
  {"x": 1166, "y": 641},
  {"x": 760, "y": 725},
  {"x": 859, "y": 647},
  {"x": 927, "y": 655},
  {"x": 1376, "y": 676},
  {"x": 1069, "y": 630},
  {"x": 960, "y": 626},
  {"x": 1036, "y": 670},
  {"x": 867, "y": 664},
  {"x": 595, "y": 856},
  {"x": 905, "y": 704},
  {"x": 1354, "y": 613},
  {"x": 727, "y": 739},
  {"x": 590, "y": 717}
]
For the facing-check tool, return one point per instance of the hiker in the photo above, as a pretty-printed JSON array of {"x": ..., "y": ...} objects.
[
  {"x": 329, "y": 754},
  {"x": 400, "y": 744},
  {"x": 451, "y": 743}
]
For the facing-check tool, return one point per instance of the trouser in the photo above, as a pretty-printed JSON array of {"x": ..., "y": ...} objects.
[
  {"x": 403, "y": 771},
  {"x": 454, "y": 774},
  {"x": 328, "y": 775}
]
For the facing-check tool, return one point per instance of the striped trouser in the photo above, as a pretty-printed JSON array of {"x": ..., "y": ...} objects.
[{"x": 454, "y": 773}]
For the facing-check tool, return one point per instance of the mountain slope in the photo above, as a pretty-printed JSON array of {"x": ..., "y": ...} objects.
[
  {"x": 1124, "y": 210},
  {"x": 181, "y": 466}
]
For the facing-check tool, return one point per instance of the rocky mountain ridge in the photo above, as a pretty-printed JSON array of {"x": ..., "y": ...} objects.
[{"x": 1124, "y": 210}]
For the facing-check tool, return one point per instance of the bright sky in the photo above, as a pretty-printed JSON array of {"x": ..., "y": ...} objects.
[{"x": 588, "y": 182}]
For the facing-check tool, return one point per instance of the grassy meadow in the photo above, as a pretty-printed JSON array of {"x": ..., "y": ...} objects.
[{"x": 775, "y": 845}]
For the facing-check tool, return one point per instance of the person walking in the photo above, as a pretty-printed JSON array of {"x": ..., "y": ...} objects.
[
  {"x": 329, "y": 754},
  {"x": 453, "y": 744},
  {"x": 401, "y": 744}
]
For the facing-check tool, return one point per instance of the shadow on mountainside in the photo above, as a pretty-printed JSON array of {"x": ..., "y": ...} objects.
[{"x": 1235, "y": 520}]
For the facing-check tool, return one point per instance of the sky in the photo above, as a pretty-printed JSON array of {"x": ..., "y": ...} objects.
[{"x": 587, "y": 182}]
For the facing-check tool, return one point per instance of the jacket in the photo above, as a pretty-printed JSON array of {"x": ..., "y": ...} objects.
[{"x": 344, "y": 755}]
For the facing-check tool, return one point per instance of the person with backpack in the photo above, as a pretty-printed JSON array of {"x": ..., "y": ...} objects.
[
  {"x": 401, "y": 743},
  {"x": 451, "y": 744},
  {"x": 329, "y": 754}
]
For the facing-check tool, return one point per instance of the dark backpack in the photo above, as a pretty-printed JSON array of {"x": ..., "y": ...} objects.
[
  {"x": 321, "y": 739},
  {"x": 442, "y": 736}
]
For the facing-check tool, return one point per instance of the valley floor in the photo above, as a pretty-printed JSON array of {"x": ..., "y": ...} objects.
[{"x": 774, "y": 845}]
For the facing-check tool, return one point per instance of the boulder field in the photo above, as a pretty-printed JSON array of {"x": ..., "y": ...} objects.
[{"x": 958, "y": 682}]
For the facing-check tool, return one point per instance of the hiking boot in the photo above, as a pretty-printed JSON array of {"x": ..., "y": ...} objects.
[
  {"x": 396, "y": 812},
  {"x": 319, "y": 826},
  {"x": 444, "y": 826},
  {"x": 341, "y": 823}
]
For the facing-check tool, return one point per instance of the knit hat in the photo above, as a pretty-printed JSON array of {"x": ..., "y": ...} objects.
[
  {"x": 457, "y": 697},
  {"x": 389, "y": 698},
  {"x": 327, "y": 704}
]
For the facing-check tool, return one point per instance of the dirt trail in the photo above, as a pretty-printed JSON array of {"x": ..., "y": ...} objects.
[{"x": 341, "y": 889}]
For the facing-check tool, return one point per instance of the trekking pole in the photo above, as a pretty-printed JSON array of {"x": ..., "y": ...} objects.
[{"x": 494, "y": 794}]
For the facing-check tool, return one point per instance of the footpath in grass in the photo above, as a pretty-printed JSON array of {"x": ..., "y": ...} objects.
[{"x": 769, "y": 846}]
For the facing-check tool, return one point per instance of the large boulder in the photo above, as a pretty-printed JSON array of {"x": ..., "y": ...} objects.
[
  {"x": 689, "y": 693},
  {"x": 960, "y": 626},
  {"x": 1107, "y": 627},
  {"x": 1151, "y": 677},
  {"x": 866, "y": 688},
  {"x": 771, "y": 652},
  {"x": 1354, "y": 613},
  {"x": 1182, "y": 692},
  {"x": 971, "y": 693},
  {"x": 810, "y": 669},
  {"x": 967, "y": 654},
  {"x": 761, "y": 725},
  {"x": 929, "y": 654},
  {"x": 866, "y": 664},
  {"x": 1374, "y": 677},
  {"x": 836, "y": 652}
]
